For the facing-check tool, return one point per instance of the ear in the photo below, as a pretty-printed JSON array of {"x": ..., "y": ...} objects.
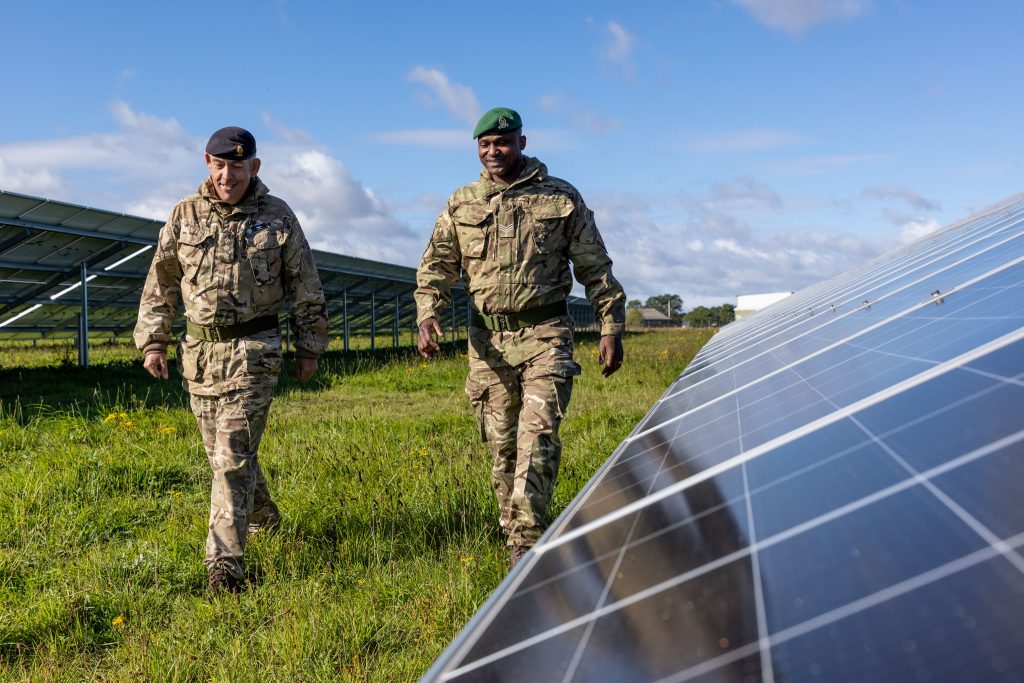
[
  {"x": 209, "y": 161},
  {"x": 522, "y": 142},
  {"x": 255, "y": 167}
]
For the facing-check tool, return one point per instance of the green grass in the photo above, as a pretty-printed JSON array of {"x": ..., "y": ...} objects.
[{"x": 389, "y": 542}]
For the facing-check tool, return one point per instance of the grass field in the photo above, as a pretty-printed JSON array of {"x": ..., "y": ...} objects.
[{"x": 388, "y": 545}]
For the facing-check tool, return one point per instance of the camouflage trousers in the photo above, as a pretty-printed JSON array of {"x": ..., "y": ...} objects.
[
  {"x": 519, "y": 409},
  {"x": 232, "y": 425}
]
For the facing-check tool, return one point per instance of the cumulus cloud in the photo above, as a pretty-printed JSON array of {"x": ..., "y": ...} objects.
[
  {"x": 915, "y": 229},
  {"x": 747, "y": 140},
  {"x": 458, "y": 99},
  {"x": 796, "y": 16},
  {"x": 108, "y": 171},
  {"x": 620, "y": 43},
  {"x": 34, "y": 181},
  {"x": 903, "y": 194},
  {"x": 708, "y": 255}
]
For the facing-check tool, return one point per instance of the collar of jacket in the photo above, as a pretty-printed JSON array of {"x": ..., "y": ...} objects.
[
  {"x": 249, "y": 203},
  {"x": 533, "y": 169}
]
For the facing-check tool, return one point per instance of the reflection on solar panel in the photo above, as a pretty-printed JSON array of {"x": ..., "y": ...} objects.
[
  {"x": 65, "y": 267},
  {"x": 831, "y": 491}
]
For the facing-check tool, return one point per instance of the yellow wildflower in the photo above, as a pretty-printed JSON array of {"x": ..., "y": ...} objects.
[
  {"x": 423, "y": 452},
  {"x": 467, "y": 559},
  {"x": 110, "y": 418},
  {"x": 118, "y": 621},
  {"x": 423, "y": 365},
  {"x": 167, "y": 430}
]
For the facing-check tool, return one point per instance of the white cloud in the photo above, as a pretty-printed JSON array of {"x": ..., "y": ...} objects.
[
  {"x": 914, "y": 230},
  {"x": 748, "y": 140},
  {"x": 458, "y": 99},
  {"x": 620, "y": 43},
  {"x": 913, "y": 199},
  {"x": 796, "y": 16},
  {"x": 147, "y": 163},
  {"x": 745, "y": 193},
  {"x": 708, "y": 255},
  {"x": 35, "y": 181}
]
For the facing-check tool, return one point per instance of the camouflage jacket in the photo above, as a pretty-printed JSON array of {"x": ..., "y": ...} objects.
[
  {"x": 229, "y": 264},
  {"x": 514, "y": 244}
]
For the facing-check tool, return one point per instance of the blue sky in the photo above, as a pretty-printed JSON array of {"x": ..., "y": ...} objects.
[{"x": 726, "y": 146}]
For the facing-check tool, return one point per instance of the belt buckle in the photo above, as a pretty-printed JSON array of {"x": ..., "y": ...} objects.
[
  {"x": 216, "y": 333},
  {"x": 502, "y": 323}
]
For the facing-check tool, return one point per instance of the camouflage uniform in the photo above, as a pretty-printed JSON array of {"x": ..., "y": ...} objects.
[
  {"x": 231, "y": 264},
  {"x": 513, "y": 244}
]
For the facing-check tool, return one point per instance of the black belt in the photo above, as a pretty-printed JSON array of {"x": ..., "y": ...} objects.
[
  {"x": 511, "y": 322},
  {"x": 216, "y": 333}
]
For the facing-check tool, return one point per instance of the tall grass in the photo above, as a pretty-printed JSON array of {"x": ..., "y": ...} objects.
[{"x": 389, "y": 541}]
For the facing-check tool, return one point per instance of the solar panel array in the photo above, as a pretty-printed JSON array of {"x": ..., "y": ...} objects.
[
  {"x": 831, "y": 491},
  {"x": 48, "y": 249}
]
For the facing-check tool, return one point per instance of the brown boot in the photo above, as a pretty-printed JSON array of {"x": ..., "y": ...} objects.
[
  {"x": 219, "y": 580},
  {"x": 515, "y": 553}
]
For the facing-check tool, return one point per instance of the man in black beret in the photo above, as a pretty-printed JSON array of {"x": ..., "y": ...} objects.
[
  {"x": 512, "y": 234},
  {"x": 232, "y": 254}
]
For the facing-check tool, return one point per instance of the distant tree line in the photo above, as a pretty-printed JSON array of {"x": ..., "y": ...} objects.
[{"x": 672, "y": 306}]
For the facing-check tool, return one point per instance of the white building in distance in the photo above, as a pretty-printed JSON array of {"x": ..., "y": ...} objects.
[{"x": 749, "y": 304}]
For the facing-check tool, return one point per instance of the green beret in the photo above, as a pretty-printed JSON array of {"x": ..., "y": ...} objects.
[
  {"x": 497, "y": 121},
  {"x": 231, "y": 143}
]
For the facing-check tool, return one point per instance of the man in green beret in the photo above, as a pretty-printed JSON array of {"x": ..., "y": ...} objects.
[
  {"x": 513, "y": 234},
  {"x": 232, "y": 254}
]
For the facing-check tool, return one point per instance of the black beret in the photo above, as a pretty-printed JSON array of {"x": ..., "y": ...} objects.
[{"x": 231, "y": 143}]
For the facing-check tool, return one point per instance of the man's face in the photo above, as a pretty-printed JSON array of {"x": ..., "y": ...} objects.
[
  {"x": 502, "y": 155},
  {"x": 231, "y": 178}
]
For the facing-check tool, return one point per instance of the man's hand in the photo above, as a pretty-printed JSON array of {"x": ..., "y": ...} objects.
[
  {"x": 304, "y": 368},
  {"x": 610, "y": 354},
  {"x": 156, "y": 364},
  {"x": 427, "y": 344}
]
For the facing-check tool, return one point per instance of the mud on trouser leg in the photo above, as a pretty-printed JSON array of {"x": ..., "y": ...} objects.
[
  {"x": 239, "y": 418},
  {"x": 546, "y": 391},
  {"x": 496, "y": 400}
]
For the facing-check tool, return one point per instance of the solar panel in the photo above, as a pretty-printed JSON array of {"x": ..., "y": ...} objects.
[{"x": 831, "y": 491}]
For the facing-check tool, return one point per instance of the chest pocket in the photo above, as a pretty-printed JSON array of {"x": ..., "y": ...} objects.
[
  {"x": 471, "y": 221},
  {"x": 195, "y": 250},
  {"x": 546, "y": 219},
  {"x": 264, "y": 245}
]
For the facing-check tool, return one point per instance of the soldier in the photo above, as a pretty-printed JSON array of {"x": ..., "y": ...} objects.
[
  {"x": 232, "y": 253},
  {"x": 513, "y": 233}
]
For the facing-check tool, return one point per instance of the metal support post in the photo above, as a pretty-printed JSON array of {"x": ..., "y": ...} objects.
[
  {"x": 83, "y": 322},
  {"x": 398, "y": 316},
  {"x": 344, "y": 315},
  {"x": 373, "y": 320}
]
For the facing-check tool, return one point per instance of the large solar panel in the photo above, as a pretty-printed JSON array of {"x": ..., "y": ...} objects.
[{"x": 831, "y": 491}]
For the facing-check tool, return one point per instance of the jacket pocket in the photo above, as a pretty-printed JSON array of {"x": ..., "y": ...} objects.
[
  {"x": 470, "y": 221},
  {"x": 195, "y": 244},
  {"x": 263, "y": 247},
  {"x": 191, "y": 359},
  {"x": 545, "y": 218}
]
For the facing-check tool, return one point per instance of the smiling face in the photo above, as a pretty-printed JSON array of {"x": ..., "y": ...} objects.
[
  {"x": 502, "y": 155},
  {"x": 231, "y": 178}
]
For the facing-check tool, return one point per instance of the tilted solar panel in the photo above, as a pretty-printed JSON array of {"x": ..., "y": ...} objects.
[{"x": 831, "y": 491}]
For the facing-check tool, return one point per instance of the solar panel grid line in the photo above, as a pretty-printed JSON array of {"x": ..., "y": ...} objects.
[
  {"x": 927, "y": 302},
  {"x": 788, "y": 437},
  {"x": 778, "y": 332},
  {"x": 797, "y": 306},
  {"x": 984, "y": 532},
  {"x": 78, "y": 232},
  {"x": 880, "y": 597},
  {"x": 964, "y": 516},
  {"x": 987, "y": 552}
]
